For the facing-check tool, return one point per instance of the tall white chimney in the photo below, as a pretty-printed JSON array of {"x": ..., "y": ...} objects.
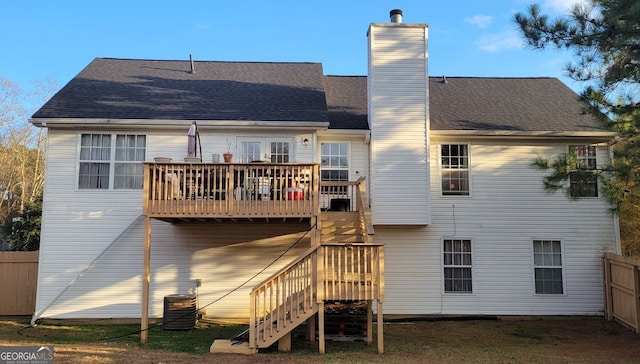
[{"x": 398, "y": 99}]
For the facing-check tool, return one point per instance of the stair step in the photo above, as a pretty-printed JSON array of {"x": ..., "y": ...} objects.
[
  {"x": 226, "y": 346},
  {"x": 342, "y": 239},
  {"x": 339, "y": 216},
  {"x": 340, "y": 230}
]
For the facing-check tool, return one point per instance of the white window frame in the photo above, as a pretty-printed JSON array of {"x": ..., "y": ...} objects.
[
  {"x": 112, "y": 161},
  {"x": 347, "y": 155},
  {"x": 561, "y": 267},
  {"x": 326, "y": 195},
  {"x": 444, "y": 169},
  {"x": 467, "y": 266},
  {"x": 583, "y": 161},
  {"x": 265, "y": 147}
]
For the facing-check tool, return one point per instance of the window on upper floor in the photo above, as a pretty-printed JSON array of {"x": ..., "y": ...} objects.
[
  {"x": 457, "y": 266},
  {"x": 455, "y": 169},
  {"x": 547, "y": 263},
  {"x": 334, "y": 167},
  {"x": 334, "y": 162},
  {"x": 583, "y": 181},
  {"x": 111, "y": 161}
]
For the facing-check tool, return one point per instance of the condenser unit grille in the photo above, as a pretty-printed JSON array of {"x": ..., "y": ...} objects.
[{"x": 180, "y": 312}]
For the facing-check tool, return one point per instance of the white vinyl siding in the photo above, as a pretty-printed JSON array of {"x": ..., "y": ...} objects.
[
  {"x": 91, "y": 256},
  {"x": 508, "y": 210},
  {"x": 91, "y": 252},
  {"x": 398, "y": 93}
]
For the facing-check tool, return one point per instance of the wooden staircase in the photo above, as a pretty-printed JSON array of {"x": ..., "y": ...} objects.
[
  {"x": 344, "y": 266},
  {"x": 341, "y": 227}
]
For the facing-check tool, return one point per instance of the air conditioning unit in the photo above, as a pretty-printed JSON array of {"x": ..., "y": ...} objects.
[{"x": 180, "y": 312}]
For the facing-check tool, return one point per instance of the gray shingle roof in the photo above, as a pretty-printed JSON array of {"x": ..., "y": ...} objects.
[
  {"x": 347, "y": 101},
  {"x": 261, "y": 91},
  {"x": 147, "y": 89},
  {"x": 507, "y": 104}
]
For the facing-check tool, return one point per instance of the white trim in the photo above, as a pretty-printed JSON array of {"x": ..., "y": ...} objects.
[
  {"x": 604, "y": 135},
  {"x": 616, "y": 216},
  {"x": 329, "y": 133},
  {"x": 178, "y": 123}
]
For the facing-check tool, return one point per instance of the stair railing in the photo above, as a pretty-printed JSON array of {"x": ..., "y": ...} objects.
[
  {"x": 364, "y": 211},
  {"x": 351, "y": 272},
  {"x": 283, "y": 301},
  {"x": 326, "y": 272}
]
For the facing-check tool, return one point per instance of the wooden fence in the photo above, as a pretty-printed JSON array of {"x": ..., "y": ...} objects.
[
  {"x": 18, "y": 282},
  {"x": 622, "y": 289}
]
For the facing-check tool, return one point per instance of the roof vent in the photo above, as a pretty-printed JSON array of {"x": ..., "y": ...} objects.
[
  {"x": 193, "y": 67},
  {"x": 396, "y": 15}
]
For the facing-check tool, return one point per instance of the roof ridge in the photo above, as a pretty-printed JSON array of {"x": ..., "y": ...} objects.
[
  {"x": 201, "y": 61},
  {"x": 498, "y": 77}
]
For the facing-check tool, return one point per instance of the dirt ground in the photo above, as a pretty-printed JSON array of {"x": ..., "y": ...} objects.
[{"x": 551, "y": 340}]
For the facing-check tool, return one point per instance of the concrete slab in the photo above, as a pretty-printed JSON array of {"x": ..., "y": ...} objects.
[{"x": 226, "y": 346}]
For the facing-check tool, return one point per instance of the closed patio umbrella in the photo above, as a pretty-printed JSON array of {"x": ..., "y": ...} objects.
[{"x": 192, "y": 135}]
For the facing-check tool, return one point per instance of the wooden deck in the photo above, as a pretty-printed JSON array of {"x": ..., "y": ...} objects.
[
  {"x": 225, "y": 190},
  {"x": 342, "y": 265}
]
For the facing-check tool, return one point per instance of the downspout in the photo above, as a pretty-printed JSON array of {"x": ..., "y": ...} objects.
[{"x": 616, "y": 216}]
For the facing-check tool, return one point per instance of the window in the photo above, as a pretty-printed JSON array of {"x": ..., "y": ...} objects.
[
  {"x": 250, "y": 152},
  {"x": 455, "y": 169},
  {"x": 457, "y": 266},
  {"x": 273, "y": 150},
  {"x": 334, "y": 165},
  {"x": 547, "y": 262},
  {"x": 334, "y": 159},
  {"x": 279, "y": 152},
  {"x": 111, "y": 161},
  {"x": 583, "y": 181}
]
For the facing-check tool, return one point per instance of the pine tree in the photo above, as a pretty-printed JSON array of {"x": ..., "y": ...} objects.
[{"x": 604, "y": 36}]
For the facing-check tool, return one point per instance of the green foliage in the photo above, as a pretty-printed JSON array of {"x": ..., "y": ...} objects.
[
  {"x": 605, "y": 39},
  {"x": 23, "y": 230}
]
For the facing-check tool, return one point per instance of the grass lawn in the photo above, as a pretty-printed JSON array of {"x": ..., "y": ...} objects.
[{"x": 550, "y": 340}]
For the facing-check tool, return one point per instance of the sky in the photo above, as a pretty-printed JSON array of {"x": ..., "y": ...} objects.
[{"x": 57, "y": 39}]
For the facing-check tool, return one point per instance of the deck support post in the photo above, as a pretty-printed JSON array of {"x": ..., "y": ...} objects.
[
  {"x": 380, "y": 321},
  {"x": 311, "y": 329},
  {"x": 369, "y": 322},
  {"x": 321, "y": 347},
  {"x": 284, "y": 344},
  {"x": 146, "y": 280}
]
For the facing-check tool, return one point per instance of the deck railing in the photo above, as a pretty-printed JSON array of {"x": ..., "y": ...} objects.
[
  {"x": 326, "y": 272},
  {"x": 219, "y": 190},
  {"x": 349, "y": 196}
]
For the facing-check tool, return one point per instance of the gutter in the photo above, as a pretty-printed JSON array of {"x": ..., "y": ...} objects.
[
  {"x": 510, "y": 134},
  {"x": 178, "y": 123}
]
